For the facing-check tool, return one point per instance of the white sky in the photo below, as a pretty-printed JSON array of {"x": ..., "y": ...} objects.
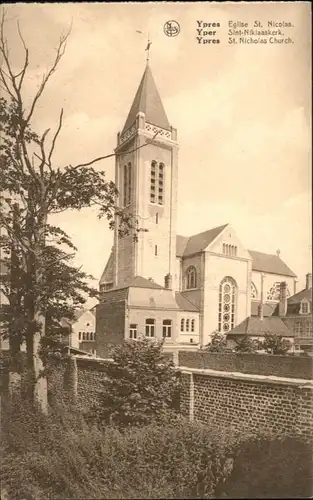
[{"x": 242, "y": 113}]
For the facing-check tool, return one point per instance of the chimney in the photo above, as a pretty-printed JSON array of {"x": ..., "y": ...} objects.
[
  {"x": 283, "y": 299},
  {"x": 168, "y": 281},
  {"x": 308, "y": 281}
]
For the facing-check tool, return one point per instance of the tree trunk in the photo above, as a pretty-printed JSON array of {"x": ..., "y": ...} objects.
[
  {"x": 37, "y": 382},
  {"x": 14, "y": 377}
]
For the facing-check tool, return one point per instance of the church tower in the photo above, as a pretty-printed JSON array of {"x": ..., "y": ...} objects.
[{"x": 146, "y": 178}]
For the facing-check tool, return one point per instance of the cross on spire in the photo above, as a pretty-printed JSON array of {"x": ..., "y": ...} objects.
[{"x": 148, "y": 45}]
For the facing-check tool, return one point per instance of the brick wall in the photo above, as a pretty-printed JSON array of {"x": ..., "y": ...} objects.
[
  {"x": 263, "y": 364},
  {"x": 248, "y": 403}
]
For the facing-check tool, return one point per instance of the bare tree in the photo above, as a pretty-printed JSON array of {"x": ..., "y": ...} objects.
[{"x": 33, "y": 188}]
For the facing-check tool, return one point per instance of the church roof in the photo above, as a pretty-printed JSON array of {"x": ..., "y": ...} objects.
[
  {"x": 268, "y": 308},
  {"x": 107, "y": 275},
  {"x": 198, "y": 242},
  {"x": 148, "y": 101},
  {"x": 306, "y": 293},
  {"x": 184, "y": 304},
  {"x": 269, "y": 264},
  {"x": 258, "y": 327},
  {"x": 138, "y": 282}
]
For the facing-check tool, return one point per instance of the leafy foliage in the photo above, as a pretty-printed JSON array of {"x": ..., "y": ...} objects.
[
  {"x": 141, "y": 384},
  {"x": 60, "y": 456},
  {"x": 218, "y": 343},
  {"x": 246, "y": 344},
  {"x": 275, "y": 344}
]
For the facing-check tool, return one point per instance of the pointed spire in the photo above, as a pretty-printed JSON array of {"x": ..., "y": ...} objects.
[{"x": 148, "y": 101}]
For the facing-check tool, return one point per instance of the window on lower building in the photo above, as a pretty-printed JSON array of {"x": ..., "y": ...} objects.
[
  {"x": 304, "y": 309},
  {"x": 84, "y": 335},
  {"x": 299, "y": 328},
  {"x": 167, "y": 328},
  {"x": 80, "y": 336},
  {"x": 187, "y": 325},
  {"x": 133, "y": 331},
  {"x": 150, "y": 327},
  {"x": 192, "y": 325},
  {"x": 308, "y": 329},
  {"x": 182, "y": 325}
]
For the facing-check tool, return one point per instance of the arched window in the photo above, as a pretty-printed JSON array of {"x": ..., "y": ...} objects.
[
  {"x": 254, "y": 292},
  {"x": 191, "y": 277},
  {"x": 227, "y": 305},
  {"x": 274, "y": 291}
]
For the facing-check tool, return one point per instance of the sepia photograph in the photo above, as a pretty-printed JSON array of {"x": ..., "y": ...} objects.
[{"x": 156, "y": 250}]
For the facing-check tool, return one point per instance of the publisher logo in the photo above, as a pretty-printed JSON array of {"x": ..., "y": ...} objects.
[{"x": 171, "y": 28}]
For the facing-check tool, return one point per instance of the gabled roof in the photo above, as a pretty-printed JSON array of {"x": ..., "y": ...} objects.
[
  {"x": 181, "y": 242},
  {"x": 198, "y": 242},
  {"x": 306, "y": 293},
  {"x": 268, "y": 308},
  {"x": 137, "y": 282},
  {"x": 258, "y": 327},
  {"x": 184, "y": 304},
  {"x": 268, "y": 263},
  {"x": 107, "y": 275},
  {"x": 147, "y": 100}
]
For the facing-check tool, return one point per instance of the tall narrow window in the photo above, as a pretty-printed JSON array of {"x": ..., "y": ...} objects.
[
  {"x": 157, "y": 218},
  {"x": 191, "y": 277},
  {"x": 80, "y": 336},
  {"x": 299, "y": 328},
  {"x": 150, "y": 327},
  {"x": 187, "y": 325},
  {"x": 161, "y": 184},
  {"x": 227, "y": 305},
  {"x": 132, "y": 331},
  {"x": 155, "y": 249},
  {"x": 127, "y": 184},
  {"x": 153, "y": 181},
  {"x": 182, "y": 325},
  {"x": 192, "y": 325},
  {"x": 167, "y": 328}
]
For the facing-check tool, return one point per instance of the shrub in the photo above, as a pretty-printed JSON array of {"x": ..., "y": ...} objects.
[
  {"x": 275, "y": 344},
  {"x": 218, "y": 343},
  {"x": 275, "y": 467},
  {"x": 141, "y": 384},
  {"x": 246, "y": 344},
  {"x": 61, "y": 457}
]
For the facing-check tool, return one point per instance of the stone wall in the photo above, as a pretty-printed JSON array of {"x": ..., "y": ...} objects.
[
  {"x": 262, "y": 364},
  {"x": 248, "y": 402},
  {"x": 245, "y": 401}
]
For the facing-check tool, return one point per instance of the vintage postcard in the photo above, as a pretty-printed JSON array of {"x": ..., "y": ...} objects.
[{"x": 156, "y": 250}]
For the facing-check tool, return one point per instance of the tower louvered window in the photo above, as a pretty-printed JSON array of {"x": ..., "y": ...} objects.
[
  {"x": 127, "y": 184},
  {"x": 157, "y": 183}
]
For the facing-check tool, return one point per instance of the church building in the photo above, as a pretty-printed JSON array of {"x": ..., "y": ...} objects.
[{"x": 162, "y": 284}]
